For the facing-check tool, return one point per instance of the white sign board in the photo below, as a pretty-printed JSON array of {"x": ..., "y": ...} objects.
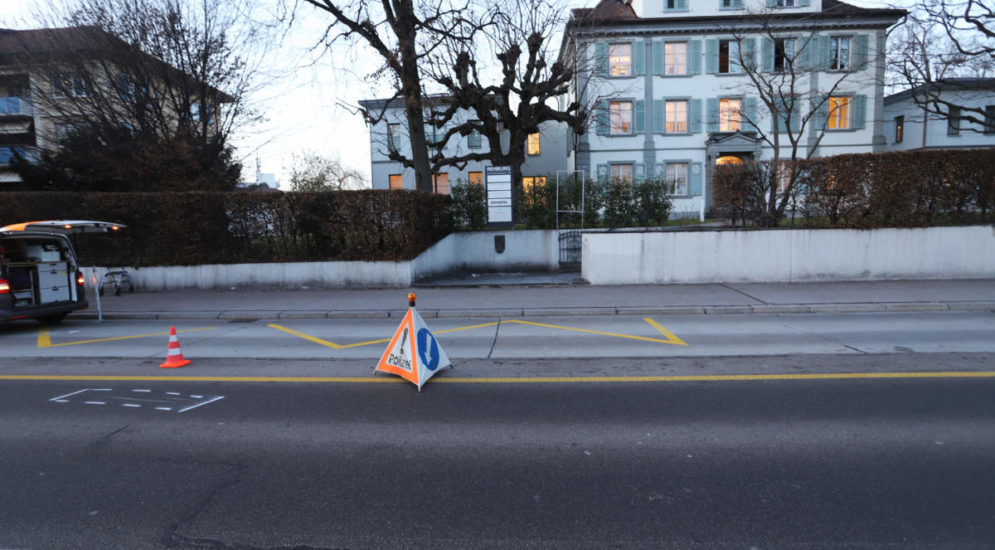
[{"x": 500, "y": 200}]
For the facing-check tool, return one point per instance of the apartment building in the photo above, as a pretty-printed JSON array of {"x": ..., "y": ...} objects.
[
  {"x": 910, "y": 126},
  {"x": 681, "y": 86},
  {"x": 545, "y": 152}
]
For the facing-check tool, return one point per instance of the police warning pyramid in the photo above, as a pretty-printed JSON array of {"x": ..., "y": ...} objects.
[{"x": 413, "y": 353}]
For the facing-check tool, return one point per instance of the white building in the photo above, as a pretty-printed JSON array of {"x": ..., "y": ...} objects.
[
  {"x": 911, "y": 126},
  {"x": 546, "y": 151},
  {"x": 672, "y": 98}
]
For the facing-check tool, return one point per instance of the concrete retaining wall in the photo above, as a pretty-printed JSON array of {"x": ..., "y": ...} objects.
[{"x": 789, "y": 255}]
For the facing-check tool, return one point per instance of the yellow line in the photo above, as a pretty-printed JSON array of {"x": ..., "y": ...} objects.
[
  {"x": 589, "y": 331},
  {"x": 307, "y": 337},
  {"x": 45, "y": 339},
  {"x": 333, "y": 345},
  {"x": 671, "y": 337},
  {"x": 523, "y": 380},
  {"x": 495, "y": 323}
]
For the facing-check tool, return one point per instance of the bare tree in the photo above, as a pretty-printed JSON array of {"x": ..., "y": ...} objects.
[
  {"x": 160, "y": 73},
  {"x": 942, "y": 43},
  {"x": 401, "y": 33},
  {"x": 313, "y": 172},
  {"x": 793, "y": 113}
]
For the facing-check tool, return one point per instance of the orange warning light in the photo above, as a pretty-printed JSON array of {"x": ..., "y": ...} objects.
[{"x": 411, "y": 299}]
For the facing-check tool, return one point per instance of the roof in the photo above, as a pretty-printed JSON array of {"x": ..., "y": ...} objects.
[
  {"x": 613, "y": 10},
  {"x": 947, "y": 84},
  {"x": 18, "y": 46}
]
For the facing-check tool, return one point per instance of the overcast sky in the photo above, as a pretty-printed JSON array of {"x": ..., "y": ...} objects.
[{"x": 306, "y": 95}]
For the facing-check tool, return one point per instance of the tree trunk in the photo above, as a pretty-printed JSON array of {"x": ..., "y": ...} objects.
[{"x": 411, "y": 92}]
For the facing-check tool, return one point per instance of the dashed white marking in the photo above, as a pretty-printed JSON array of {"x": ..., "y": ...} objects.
[
  {"x": 142, "y": 391},
  {"x": 172, "y": 393},
  {"x": 197, "y": 396},
  {"x": 201, "y": 404},
  {"x": 134, "y": 405},
  {"x": 95, "y": 403},
  {"x": 59, "y": 400},
  {"x": 164, "y": 408},
  {"x": 101, "y": 389}
]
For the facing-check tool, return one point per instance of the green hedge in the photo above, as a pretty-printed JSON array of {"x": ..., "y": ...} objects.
[{"x": 215, "y": 227}]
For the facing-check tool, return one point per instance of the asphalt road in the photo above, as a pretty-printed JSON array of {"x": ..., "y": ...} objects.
[{"x": 853, "y": 463}]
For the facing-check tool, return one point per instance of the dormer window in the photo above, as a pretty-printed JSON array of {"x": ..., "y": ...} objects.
[{"x": 620, "y": 59}]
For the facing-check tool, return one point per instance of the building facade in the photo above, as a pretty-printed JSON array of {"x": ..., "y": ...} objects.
[
  {"x": 910, "y": 126},
  {"x": 546, "y": 151},
  {"x": 680, "y": 86}
]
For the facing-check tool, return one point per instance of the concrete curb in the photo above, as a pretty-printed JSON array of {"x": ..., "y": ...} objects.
[{"x": 765, "y": 309}]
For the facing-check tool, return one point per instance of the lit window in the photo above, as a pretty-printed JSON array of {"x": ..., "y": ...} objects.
[
  {"x": 441, "y": 183},
  {"x": 728, "y": 160},
  {"x": 729, "y": 114},
  {"x": 899, "y": 129},
  {"x": 677, "y": 178},
  {"x": 620, "y": 59},
  {"x": 675, "y": 55},
  {"x": 533, "y": 146},
  {"x": 784, "y": 54},
  {"x": 677, "y": 117},
  {"x": 839, "y": 113},
  {"x": 839, "y": 52},
  {"x": 533, "y": 185},
  {"x": 620, "y": 117},
  {"x": 729, "y": 57},
  {"x": 622, "y": 172},
  {"x": 475, "y": 178},
  {"x": 396, "y": 181}
]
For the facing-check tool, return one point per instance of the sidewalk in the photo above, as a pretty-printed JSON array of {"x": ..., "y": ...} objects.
[{"x": 553, "y": 300}]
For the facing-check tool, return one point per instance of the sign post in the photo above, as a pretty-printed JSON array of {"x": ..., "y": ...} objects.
[
  {"x": 96, "y": 293},
  {"x": 500, "y": 196}
]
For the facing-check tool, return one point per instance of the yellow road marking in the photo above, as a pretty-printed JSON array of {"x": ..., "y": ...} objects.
[
  {"x": 522, "y": 380},
  {"x": 333, "y": 345},
  {"x": 670, "y": 340},
  {"x": 671, "y": 337},
  {"x": 45, "y": 337},
  {"x": 307, "y": 337}
]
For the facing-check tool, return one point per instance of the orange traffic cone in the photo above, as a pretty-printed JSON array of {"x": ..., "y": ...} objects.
[{"x": 174, "y": 357}]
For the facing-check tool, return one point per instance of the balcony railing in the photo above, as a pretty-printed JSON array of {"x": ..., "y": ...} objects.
[{"x": 13, "y": 105}]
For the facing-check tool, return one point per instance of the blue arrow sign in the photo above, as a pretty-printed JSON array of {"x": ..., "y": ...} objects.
[{"x": 428, "y": 349}]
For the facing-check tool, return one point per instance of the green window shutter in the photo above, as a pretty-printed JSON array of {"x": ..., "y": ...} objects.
[
  {"x": 601, "y": 58},
  {"x": 639, "y": 117},
  {"x": 694, "y": 57},
  {"x": 749, "y": 53},
  {"x": 603, "y": 171},
  {"x": 695, "y": 174},
  {"x": 659, "y": 116},
  {"x": 694, "y": 116},
  {"x": 601, "y": 116},
  {"x": 804, "y": 3},
  {"x": 661, "y": 171},
  {"x": 824, "y": 57},
  {"x": 658, "y": 65},
  {"x": 711, "y": 56},
  {"x": 750, "y": 120},
  {"x": 771, "y": 3},
  {"x": 712, "y": 115},
  {"x": 803, "y": 52},
  {"x": 822, "y": 113},
  {"x": 860, "y": 52},
  {"x": 859, "y": 112},
  {"x": 640, "y": 172},
  {"x": 767, "y": 55},
  {"x": 681, "y": 5},
  {"x": 639, "y": 57}
]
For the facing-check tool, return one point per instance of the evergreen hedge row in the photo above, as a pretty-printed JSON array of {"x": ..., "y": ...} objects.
[{"x": 216, "y": 227}]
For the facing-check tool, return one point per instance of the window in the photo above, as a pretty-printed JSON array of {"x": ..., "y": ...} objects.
[
  {"x": 533, "y": 145},
  {"x": 784, "y": 54},
  {"x": 396, "y": 181},
  {"x": 620, "y": 117},
  {"x": 677, "y": 117},
  {"x": 63, "y": 131},
  {"x": 620, "y": 59},
  {"x": 899, "y": 129},
  {"x": 441, "y": 183},
  {"x": 839, "y": 53},
  {"x": 394, "y": 136},
  {"x": 990, "y": 119},
  {"x": 473, "y": 140},
  {"x": 729, "y": 57},
  {"x": 953, "y": 121},
  {"x": 475, "y": 178},
  {"x": 839, "y": 113},
  {"x": 785, "y": 3},
  {"x": 64, "y": 85},
  {"x": 727, "y": 4},
  {"x": 621, "y": 172},
  {"x": 532, "y": 189},
  {"x": 677, "y": 178},
  {"x": 676, "y": 5},
  {"x": 729, "y": 114},
  {"x": 675, "y": 58}
]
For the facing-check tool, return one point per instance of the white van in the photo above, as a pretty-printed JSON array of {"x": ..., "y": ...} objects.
[{"x": 40, "y": 277}]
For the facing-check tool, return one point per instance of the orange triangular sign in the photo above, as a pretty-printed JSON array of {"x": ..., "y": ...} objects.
[{"x": 413, "y": 353}]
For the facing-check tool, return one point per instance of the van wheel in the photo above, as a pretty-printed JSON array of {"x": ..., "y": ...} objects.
[{"x": 52, "y": 319}]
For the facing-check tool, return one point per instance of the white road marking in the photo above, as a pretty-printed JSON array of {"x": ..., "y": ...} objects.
[
  {"x": 101, "y": 389},
  {"x": 142, "y": 391},
  {"x": 163, "y": 408},
  {"x": 95, "y": 403},
  {"x": 172, "y": 393},
  {"x": 60, "y": 400},
  {"x": 65, "y": 396},
  {"x": 197, "y": 396},
  {"x": 201, "y": 404},
  {"x": 130, "y": 405}
]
